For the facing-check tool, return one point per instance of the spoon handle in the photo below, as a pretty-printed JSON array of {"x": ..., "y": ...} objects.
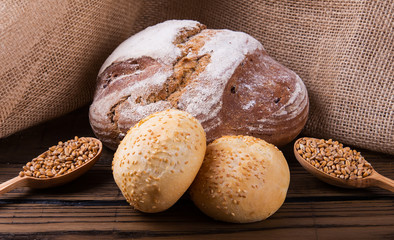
[
  {"x": 12, "y": 184},
  {"x": 383, "y": 182}
]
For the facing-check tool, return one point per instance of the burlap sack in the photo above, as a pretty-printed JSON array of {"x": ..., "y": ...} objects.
[
  {"x": 50, "y": 53},
  {"x": 342, "y": 49}
]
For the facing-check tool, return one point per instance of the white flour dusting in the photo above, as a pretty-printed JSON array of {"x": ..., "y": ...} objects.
[
  {"x": 103, "y": 104},
  {"x": 155, "y": 41},
  {"x": 226, "y": 49},
  {"x": 249, "y": 105}
]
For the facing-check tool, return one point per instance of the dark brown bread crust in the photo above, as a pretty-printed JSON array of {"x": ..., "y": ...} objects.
[{"x": 269, "y": 94}]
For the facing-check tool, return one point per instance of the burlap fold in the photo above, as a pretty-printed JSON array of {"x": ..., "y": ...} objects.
[{"x": 342, "y": 49}]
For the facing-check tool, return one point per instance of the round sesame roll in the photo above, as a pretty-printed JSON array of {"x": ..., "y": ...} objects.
[
  {"x": 158, "y": 159},
  {"x": 242, "y": 179}
]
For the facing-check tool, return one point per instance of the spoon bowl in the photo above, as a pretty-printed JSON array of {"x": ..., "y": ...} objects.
[
  {"x": 374, "y": 179},
  {"x": 33, "y": 182}
]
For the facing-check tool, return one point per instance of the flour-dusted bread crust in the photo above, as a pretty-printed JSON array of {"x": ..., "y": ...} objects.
[
  {"x": 242, "y": 179},
  {"x": 158, "y": 159},
  {"x": 223, "y": 78}
]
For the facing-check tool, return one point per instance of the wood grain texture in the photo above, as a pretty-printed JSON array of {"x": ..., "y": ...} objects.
[{"x": 92, "y": 207}]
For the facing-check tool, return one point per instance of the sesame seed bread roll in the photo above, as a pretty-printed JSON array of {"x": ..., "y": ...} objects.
[
  {"x": 158, "y": 159},
  {"x": 242, "y": 179}
]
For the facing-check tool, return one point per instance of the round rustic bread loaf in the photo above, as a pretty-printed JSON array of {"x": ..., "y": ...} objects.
[
  {"x": 158, "y": 159},
  {"x": 223, "y": 78},
  {"x": 242, "y": 179}
]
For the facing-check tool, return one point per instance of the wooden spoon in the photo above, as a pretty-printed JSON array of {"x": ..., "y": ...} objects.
[
  {"x": 374, "y": 179},
  {"x": 34, "y": 182}
]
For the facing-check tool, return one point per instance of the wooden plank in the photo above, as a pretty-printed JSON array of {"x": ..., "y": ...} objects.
[{"x": 185, "y": 220}]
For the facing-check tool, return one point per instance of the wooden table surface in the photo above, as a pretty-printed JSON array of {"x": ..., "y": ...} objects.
[{"x": 92, "y": 207}]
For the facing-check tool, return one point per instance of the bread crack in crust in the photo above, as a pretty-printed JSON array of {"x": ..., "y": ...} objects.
[
  {"x": 112, "y": 114},
  {"x": 183, "y": 69}
]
